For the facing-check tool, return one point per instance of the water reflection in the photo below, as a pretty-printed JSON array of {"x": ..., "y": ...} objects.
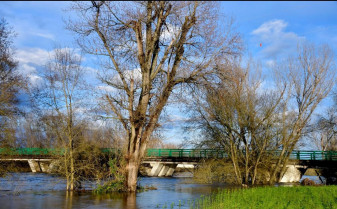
[
  {"x": 69, "y": 199},
  {"x": 130, "y": 201}
]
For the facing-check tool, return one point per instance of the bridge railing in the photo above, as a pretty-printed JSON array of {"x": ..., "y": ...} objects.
[
  {"x": 42, "y": 151},
  {"x": 175, "y": 153},
  {"x": 194, "y": 153},
  {"x": 31, "y": 151},
  {"x": 211, "y": 153},
  {"x": 314, "y": 155}
]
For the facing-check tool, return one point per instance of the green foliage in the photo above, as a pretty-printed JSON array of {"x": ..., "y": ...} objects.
[
  {"x": 271, "y": 197},
  {"x": 110, "y": 186},
  {"x": 145, "y": 188},
  {"x": 214, "y": 171},
  {"x": 116, "y": 181}
]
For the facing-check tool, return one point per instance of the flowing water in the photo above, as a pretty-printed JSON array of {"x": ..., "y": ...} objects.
[{"x": 40, "y": 191}]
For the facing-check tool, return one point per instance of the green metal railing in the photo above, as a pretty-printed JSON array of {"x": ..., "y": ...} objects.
[
  {"x": 211, "y": 153},
  {"x": 41, "y": 151},
  {"x": 31, "y": 151},
  {"x": 194, "y": 153},
  {"x": 175, "y": 153}
]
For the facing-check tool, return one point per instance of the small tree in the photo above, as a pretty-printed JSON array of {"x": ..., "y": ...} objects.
[{"x": 59, "y": 99}]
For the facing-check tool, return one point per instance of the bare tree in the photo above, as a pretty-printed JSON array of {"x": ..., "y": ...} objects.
[
  {"x": 309, "y": 77},
  {"x": 250, "y": 124},
  {"x": 10, "y": 84},
  {"x": 238, "y": 116},
  {"x": 59, "y": 99},
  {"x": 32, "y": 133},
  {"x": 323, "y": 131},
  {"x": 147, "y": 49}
]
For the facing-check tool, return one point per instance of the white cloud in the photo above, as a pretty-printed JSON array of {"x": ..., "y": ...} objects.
[
  {"x": 169, "y": 32},
  {"x": 91, "y": 71},
  {"x": 270, "y": 63},
  {"x": 129, "y": 75},
  {"x": 269, "y": 28},
  {"x": 30, "y": 58},
  {"x": 38, "y": 56},
  {"x": 134, "y": 74},
  {"x": 35, "y": 56},
  {"x": 45, "y": 35},
  {"x": 29, "y": 72},
  {"x": 105, "y": 88},
  {"x": 26, "y": 69},
  {"x": 266, "y": 86},
  {"x": 276, "y": 41},
  {"x": 34, "y": 79}
]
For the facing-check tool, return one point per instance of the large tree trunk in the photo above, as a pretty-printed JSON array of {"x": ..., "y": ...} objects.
[
  {"x": 132, "y": 174},
  {"x": 134, "y": 157}
]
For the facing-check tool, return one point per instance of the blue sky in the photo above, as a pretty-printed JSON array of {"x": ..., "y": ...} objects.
[{"x": 278, "y": 26}]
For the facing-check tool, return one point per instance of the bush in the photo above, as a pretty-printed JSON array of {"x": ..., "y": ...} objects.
[
  {"x": 308, "y": 182},
  {"x": 214, "y": 171},
  {"x": 116, "y": 179}
]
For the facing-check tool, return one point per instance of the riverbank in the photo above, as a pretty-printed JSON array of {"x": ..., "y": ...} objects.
[{"x": 272, "y": 197}]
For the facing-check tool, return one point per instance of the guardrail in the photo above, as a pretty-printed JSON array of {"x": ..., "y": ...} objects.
[
  {"x": 31, "y": 151},
  {"x": 211, "y": 153},
  {"x": 41, "y": 151},
  {"x": 195, "y": 153},
  {"x": 176, "y": 153}
]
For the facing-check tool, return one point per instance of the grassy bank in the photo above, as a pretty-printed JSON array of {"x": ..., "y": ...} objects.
[{"x": 272, "y": 197}]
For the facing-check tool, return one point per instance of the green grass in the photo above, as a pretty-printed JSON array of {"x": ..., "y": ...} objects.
[{"x": 271, "y": 197}]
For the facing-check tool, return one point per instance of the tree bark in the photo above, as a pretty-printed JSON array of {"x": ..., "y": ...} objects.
[{"x": 132, "y": 174}]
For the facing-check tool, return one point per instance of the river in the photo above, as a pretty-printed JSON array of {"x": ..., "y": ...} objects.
[{"x": 41, "y": 191}]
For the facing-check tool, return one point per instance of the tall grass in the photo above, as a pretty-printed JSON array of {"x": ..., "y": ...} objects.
[{"x": 271, "y": 197}]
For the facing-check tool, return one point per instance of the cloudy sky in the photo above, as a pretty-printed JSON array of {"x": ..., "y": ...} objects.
[{"x": 277, "y": 26}]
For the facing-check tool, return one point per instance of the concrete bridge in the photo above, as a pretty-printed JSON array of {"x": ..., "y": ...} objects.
[{"x": 164, "y": 162}]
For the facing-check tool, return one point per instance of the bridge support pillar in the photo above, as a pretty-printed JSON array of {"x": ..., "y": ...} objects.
[
  {"x": 293, "y": 174},
  {"x": 44, "y": 167},
  {"x": 156, "y": 168},
  {"x": 34, "y": 166},
  {"x": 163, "y": 170},
  {"x": 52, "y": 166},
  {"x": 171, "y": 170}
]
